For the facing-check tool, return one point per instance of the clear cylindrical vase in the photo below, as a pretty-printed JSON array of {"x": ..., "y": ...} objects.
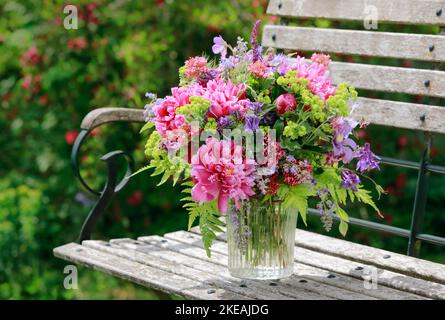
[{"x": 261, "y": 240}]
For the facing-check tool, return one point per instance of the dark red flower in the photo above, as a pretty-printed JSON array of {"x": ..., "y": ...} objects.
[
  {"x": 402, "y": 141},
  {"x": 135, "y": 198},
  {"x": 401, "y": 180},
  {"x": 70, "y": 136},
  {"x": 43, "y": 100},
  {"x": 285, "y": 103}
]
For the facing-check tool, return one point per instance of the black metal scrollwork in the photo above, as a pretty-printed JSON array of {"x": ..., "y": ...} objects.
[{"x": 111, "y": 187}]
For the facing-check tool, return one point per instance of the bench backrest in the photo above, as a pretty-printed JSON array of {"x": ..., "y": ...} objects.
[{"x": 374, "y": 43}]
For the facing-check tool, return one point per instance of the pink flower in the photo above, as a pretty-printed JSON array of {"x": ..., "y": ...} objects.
[
  {"x": 31, "y": 57},
  {"x": 220, "y": 171},
  {"x": 166, "y": 118},
  {"x": 194, "y": 67},
  {"x": 285, "y": 103},
  {"x": 259, "y": 69},
  {"x": 318, "y": 76},
  {"x": 321, "y": 58},
  {"x": 225, "y": 98}
]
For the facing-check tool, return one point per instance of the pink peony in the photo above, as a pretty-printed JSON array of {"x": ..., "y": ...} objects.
[
  {"x": 220, "y": 171},
  {"x": 195, "y": 67},
  {"x": 225, "y": 98},
  {"x": 285, "y": 103},
  {"x": 317, "y": 74},
  {"x": 166, "y": 118}
]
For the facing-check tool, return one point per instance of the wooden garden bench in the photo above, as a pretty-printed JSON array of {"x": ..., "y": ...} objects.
[{"x": 325, "y": 267}]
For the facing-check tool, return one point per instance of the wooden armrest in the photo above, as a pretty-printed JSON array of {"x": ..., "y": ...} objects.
[{"x": 100, "y": 116}]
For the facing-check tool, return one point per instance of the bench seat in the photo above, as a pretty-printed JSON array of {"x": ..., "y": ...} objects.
[{"x": 325, "y": 268}]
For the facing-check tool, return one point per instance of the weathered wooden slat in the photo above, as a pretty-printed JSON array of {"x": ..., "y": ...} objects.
[
  {"x": 168, "y": 250},
  {"x": 401, "y": 114},
  {"x": 384, "y": 259},
  {"x": 389, "y": 79},
  {"x": 321, "y": 275},
  {"x": 355, "y": 269},
  {"x": 141, "y": 274},
  {"x": 173, "y": 262},
  {"x": 290, "y": 286},
  {"x": 396, "y": 11},
  {"x": 100, "y": 116},
  {"x": 381, "y": 44}
]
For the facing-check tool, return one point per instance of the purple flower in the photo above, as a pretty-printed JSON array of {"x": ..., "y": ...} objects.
[
  {"x": 219, "y": 46},
  {"x": 253, "y": 41},
  {"x": 237, "y": 115},
  {"x": 252, "y": 122},
  {"x": 256, "y": 107},
  {"x": 228, "y": 63},
  {"x": 280, "y": 64},
  {"x": 269, "y": 118},
  {"x": 343, "y": 147},
  {"x": 366, "y": 159},
  {"x": 350, "y": 180},
  {"x": 150, "y": 95},
  {"x": 149, "y": 115},
  {"x": 224, "y": 123},
  {"x": 210, "y": 74}
]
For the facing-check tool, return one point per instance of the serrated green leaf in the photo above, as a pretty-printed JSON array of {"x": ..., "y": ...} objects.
[{"x": 342, "y": 214}]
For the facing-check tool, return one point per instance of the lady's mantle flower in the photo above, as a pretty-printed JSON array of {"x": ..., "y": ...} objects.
[
  {"x": 350, "y": 180},
  {"x": 220, "y": 171},
  {"x": 219, "y": 46},
  {"x": 195, "y": 67},
  {"x": 366, "y": 159}
]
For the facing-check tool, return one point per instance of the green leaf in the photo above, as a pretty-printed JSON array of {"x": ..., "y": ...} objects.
[
  {"x": 342, "y": 214},
  {"x": 364, "y": 196},
  {"x": 297, "y": 197},
  {"x": 343, "y": 228},
  {"x": 146, "y": 126}
]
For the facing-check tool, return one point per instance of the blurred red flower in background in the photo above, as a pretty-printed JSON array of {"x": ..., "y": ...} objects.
[
  {"x": 77, "y": 43},
  {"x": 135, "y": 198},
  {"x": 70, "y": 136},
  {"x": 30, "y": 58}
]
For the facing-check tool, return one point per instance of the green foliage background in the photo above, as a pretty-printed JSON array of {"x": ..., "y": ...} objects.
[{"x": 121, "y": 50}]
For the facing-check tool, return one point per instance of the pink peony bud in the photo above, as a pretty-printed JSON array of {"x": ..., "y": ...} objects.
[{"x": 285, "y": 103}]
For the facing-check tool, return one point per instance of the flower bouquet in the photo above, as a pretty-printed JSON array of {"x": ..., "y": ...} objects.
[{"x": 254, "y": 136}]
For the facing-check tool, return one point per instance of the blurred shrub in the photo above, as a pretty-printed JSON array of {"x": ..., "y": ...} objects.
[{"x": 50, "y": 78}]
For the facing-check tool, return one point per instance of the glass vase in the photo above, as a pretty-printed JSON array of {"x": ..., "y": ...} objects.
[{"x": 261, "y": 238}]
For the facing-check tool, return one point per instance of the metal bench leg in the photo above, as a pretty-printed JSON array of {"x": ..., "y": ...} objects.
[{"x": 420, "y": 199}]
